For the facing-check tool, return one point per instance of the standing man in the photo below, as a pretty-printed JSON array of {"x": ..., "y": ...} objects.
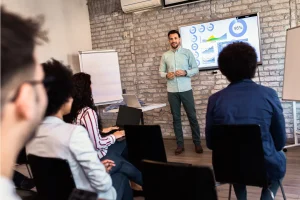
[{"x": 178, "y": 65}]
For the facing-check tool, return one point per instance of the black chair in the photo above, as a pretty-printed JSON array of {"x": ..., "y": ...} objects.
[
  {"x": 238, "y": 156},
  {"x": 78, "y": 194},
  {"x": 22, "y": 159},
  {"x": 144, "y": 142},
  {"x": 52, "y": 177},
  {"x": 177, "y": 182}
]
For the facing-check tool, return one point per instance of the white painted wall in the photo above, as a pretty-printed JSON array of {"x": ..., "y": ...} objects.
[{"x": 67, "y": 23}]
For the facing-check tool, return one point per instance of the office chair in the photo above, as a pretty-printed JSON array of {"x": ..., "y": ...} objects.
[
  {"x": 238, "y": 156},
  {"x": 177, "y": 182},
  {"x": 52, "y": 177}
]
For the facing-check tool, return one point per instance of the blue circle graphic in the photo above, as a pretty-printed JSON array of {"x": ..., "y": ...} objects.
[
  {"x": 202, "y": 28},
  {"x": 241, "y": 26},
  {"x": 198, "y": 62},
  {"x": 196, "y": 54},
  {"x": 210, "y": 27},
  {"x": 194, "y": 46},
  {"x": 193, "y": 30},
  {"x": 194, "y": 38}
]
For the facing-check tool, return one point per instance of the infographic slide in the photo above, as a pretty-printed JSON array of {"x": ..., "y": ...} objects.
[{"x": 207, "y": 40}]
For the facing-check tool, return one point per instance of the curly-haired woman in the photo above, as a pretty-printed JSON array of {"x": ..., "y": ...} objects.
[{"x": 84, "y": 113}]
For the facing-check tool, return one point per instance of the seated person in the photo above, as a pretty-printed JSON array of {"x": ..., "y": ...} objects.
[
  {"x": 56, "y": 139},
  {"x": 245, "y": 102},
  {"x": 84, "y": 113},
  {"x": 23, "y": 97}
]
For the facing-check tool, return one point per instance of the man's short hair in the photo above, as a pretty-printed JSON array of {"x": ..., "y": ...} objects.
[
  {"x": 173, "y": 32},
  {"x": 60, "y": 88},
  {"x": 238, "y": 61},
  {"x": 18, "y": 39}
]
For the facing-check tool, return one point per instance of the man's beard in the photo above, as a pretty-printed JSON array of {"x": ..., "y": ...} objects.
[{"x": 175, "y": 47}]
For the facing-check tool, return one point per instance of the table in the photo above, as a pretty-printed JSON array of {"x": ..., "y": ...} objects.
[{"x": 144, "y": 109}]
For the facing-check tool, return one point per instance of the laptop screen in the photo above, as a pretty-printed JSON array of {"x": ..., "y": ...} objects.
[{"x": 128, "y": 116}]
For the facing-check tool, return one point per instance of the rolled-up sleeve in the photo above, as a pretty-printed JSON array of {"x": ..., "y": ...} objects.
[
  {"x": 85, "y": 154},
  {"x": 163, "y": 67},
  {"x": 194, "y": 68}
]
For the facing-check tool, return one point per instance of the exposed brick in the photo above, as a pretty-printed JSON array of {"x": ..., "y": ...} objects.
[{"x": 140, "y": 53}]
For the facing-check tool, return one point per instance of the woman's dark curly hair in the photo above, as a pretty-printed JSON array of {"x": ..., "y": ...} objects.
[
  {"x": 238, "y": 61},
  {"x": 82, "y": 97}
]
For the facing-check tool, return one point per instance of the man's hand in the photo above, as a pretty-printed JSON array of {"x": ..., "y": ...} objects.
[
  {"x": 108, "y": 164},
  {"x": 170, "y": 75},
  {"x": 180, "y": 72},
  {"x": 119, "y": 134}
]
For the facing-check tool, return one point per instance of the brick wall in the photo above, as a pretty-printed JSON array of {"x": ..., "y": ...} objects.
[{"x": 140, "y": 39}]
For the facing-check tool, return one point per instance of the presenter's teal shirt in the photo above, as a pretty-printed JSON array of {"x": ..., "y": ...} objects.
[{"x": 173, "y": 60}]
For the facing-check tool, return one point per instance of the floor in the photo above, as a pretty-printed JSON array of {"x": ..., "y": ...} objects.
[{"x": 291, "y": 182}]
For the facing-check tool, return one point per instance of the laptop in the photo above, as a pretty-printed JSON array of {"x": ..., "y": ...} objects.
[
  {"x": 132, "y": 101},
  {"x": 128, "y": 116},
  {"x": 144, "y": 142}
]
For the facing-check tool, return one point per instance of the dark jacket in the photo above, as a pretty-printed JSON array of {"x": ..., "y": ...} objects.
[{"x": 246, "y": 102}]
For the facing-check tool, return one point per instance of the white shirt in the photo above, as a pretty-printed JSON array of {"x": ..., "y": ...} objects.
[
  {"x": 7, "y": 189},
  {"x": 57, "y": 139}
]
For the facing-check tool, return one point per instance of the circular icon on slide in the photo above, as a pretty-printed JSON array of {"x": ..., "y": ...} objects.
[
  {"x": 201, "y": 28},
  {"x": 193, "y": 30},
  {"x": 198, "y": 62},
  {"x": 194, "y": 38},
  {"x": 196, "y": 54},
  {"x": 210, "y": 27},
  {"x": 238, "y": 28},
  {"x": 194, "y": 46}
]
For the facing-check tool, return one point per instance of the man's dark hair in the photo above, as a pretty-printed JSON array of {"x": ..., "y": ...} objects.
[
  {"x": 174, "y": 32},
  {"x": 59, "y": 90},
  {"x": 18, "y": 39},
  {"x": 238, "y": 61}
]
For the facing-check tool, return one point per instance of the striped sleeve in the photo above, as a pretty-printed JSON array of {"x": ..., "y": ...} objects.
[{"x": 90, "y": 121}]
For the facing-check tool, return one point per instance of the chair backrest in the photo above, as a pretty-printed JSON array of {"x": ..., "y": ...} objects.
[
  {"x": 177, "y": 182},
  {"x": 238, "y": 155},
  {"x": 22, "y": 158},
  {"x": 52, "y": 177},
  {"x": 144, "y": 142},
  {"x": 78, "y": 194},
  {"x": 128, "y": 116}
]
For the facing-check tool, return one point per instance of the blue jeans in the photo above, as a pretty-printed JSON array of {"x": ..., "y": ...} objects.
[
  {"x": 122, "y": 187},
  {"x": 241, "y": 191},
  {"x": 114, "y": 153},
  {"x": 120, "y": 148}
]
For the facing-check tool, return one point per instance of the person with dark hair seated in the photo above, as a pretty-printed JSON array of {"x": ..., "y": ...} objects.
[
  {"x": 57, "y": 139},
  {"x": 84, "y": 113},
  {"x": 23, "y": 96},
  {"x": 245, "y": 102}
]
